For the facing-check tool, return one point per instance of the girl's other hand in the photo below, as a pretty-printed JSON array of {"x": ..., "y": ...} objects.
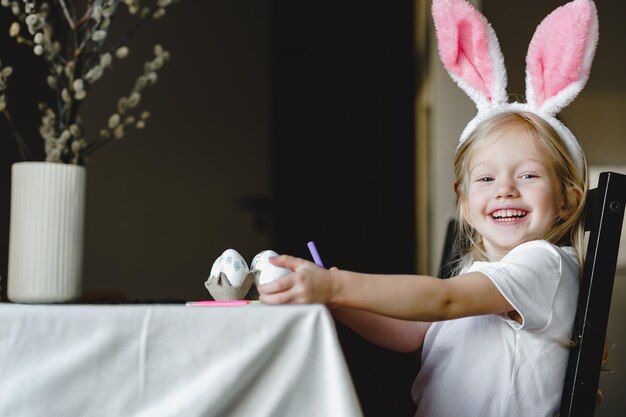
[{"x": 307, "y": 284}]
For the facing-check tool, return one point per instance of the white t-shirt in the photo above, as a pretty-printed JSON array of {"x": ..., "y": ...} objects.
[{"x": 490, "y": 365}]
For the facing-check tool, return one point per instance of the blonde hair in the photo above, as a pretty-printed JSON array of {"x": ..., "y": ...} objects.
[{"x": 568, "y": 230}]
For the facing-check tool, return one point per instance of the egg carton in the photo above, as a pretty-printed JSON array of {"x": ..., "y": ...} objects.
[
  {"x": 220, "y": 287},
  {"x": 231, "y": 279}
]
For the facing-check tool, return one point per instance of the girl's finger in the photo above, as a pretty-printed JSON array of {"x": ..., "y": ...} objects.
[
  {"x": 280, "y": 285},
  {"x": 276, "y": 298},
  {"x": 286, "y": 261}
]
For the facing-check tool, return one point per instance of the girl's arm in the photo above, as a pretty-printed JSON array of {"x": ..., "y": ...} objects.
[
  {"x": 406, "y": 297},
  {"x": 389, "y": 333}
]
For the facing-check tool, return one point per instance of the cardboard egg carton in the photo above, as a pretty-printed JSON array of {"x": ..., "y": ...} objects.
[{"x": 221, "y": 289}]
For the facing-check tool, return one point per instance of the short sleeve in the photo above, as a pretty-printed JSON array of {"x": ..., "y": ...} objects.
[{"x": 528, "y": 277}]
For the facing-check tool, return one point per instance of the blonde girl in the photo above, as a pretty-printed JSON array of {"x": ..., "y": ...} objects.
[{"x": 493, "y": 338}]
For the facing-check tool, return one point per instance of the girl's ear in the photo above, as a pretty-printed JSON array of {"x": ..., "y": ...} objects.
[
  {"x": 470, "y": 52},
  {"x": 560, "y": 55}
]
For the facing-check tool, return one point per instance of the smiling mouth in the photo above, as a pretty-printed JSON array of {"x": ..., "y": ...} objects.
[{"x": 508, "y": 215}]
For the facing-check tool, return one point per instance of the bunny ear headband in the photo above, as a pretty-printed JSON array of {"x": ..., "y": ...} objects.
[{"x": 557, "y": 63}]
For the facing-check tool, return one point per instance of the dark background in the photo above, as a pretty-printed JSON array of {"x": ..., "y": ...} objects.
[
  {"x": 343, "y": 148},
  {"x": 275, "y": 123}
]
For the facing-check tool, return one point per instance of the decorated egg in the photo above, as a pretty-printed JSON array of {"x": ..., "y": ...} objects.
[
  {"x": 267, "y": 271},
  {"x": 232, "y": 264}
]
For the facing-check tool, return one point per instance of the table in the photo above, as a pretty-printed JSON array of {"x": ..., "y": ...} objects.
[{"x": 172, "y": 360}]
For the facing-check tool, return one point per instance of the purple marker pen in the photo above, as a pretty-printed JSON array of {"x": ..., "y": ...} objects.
[{"x": 315, "y": 254}]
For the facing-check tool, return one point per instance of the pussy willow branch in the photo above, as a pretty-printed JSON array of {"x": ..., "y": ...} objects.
[
  {"x": 68, "y": 17},
  {"x": 81, "y": 52},
  {"x": 72, "y": 111},
  {"x": 99, "y": 142},
  {"x": 93, "y": 146},
  {"x": 89, "y": 31},
  {"x": 85, "y": 16}
]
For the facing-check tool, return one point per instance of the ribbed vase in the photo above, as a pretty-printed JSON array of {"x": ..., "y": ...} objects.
[{"x": 46, "y": 235}]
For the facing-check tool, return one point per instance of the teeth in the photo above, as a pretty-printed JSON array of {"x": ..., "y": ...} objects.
[{"x": 508, "y": 215}]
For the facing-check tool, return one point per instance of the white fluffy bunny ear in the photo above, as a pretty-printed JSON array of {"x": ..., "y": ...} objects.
[
  {"x": 470, "y": 52},
  {"x": 560, "y": 55}
]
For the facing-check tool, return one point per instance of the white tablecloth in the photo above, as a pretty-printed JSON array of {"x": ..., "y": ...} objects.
[{"x": 171, "y": 360}]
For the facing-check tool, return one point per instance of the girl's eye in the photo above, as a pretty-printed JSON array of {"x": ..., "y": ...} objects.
[
  {"x": 484, "y": 179},
  {"x": 528, "y": 176}
]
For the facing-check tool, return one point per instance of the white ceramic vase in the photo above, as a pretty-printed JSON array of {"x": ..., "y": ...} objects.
[{"x": 46, "y": 235}]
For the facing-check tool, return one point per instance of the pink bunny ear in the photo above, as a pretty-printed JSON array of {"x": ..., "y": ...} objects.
[
  {"x": 470, "y": 52},
  {"x": 560, "y": 55}
]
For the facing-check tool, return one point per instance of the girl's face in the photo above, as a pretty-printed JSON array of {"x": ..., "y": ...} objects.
[{"x": 513, "y": 195}]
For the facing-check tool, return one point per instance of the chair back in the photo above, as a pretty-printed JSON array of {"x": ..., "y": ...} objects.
[{"x": 604, "y": 217}]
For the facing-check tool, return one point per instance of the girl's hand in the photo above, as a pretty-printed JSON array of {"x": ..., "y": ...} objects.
[{"x": 307, "y": 284}]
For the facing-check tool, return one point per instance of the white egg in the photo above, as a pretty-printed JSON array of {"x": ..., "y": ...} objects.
[
  {"x": 232, "y": 264},
  {"x": 267, "y": 271},
  {"x": 215, "y": 269},
  {"x": 265, "y": 254}
]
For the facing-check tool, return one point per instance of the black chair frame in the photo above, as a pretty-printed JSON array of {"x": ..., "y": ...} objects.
[{"x": 604, "y": 218}]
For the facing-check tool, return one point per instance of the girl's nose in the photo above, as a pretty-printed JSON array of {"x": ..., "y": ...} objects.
[{"x": 507, "y": 189}]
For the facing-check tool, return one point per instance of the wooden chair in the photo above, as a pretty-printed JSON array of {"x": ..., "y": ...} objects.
[
  {"x": 604, "y": 217},
  {"x": 605, "y": 214}
]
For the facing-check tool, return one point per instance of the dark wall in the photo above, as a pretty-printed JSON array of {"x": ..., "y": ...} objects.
[
  {"x": 26, "y": 87},
  {"x": 273, "y": 124},
  {"x": 342, "y": 131},
  {"x": 343, "y": 82},
  {"x": 163, "y": 203}
]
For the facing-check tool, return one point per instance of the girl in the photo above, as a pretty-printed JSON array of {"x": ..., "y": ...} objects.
[{"x": 494, "y": 338}]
